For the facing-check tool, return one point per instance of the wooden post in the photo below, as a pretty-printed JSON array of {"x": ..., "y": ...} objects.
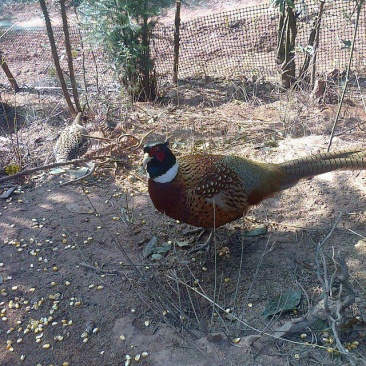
[{"x": 176, "y": 42}]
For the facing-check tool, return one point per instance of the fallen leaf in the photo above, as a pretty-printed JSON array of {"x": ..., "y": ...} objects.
[
  {"x": 56, "y": 171},
  {"x": 8, "y": 193},
  {"x": 260, "y": 230},
  {"x": 149, "y": 248},
  {"x": 182, "y": 244},
  {"x": 78, "y": 173},
  {"x": 163, "y": 249},
  {"x": 282, "y": 303}
]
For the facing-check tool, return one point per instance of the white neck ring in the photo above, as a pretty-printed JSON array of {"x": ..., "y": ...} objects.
[{"x": 169, "y": 175}]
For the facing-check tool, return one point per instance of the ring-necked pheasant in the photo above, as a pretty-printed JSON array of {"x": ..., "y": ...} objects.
[{"x": 209, "y": 191}]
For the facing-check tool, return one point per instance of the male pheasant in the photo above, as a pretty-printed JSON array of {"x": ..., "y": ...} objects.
[{"x": 209, "y": 191}]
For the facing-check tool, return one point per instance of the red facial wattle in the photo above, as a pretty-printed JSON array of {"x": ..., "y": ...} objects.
[{"x": 159, "y": 155}]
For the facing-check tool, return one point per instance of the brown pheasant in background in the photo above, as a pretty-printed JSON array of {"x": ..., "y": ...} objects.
[
  {"x": 72, "y": 142},
  {"x": 209, "y": 191}
]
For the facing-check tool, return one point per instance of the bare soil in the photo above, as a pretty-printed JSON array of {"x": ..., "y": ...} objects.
[{"x": 76, "y": 288}]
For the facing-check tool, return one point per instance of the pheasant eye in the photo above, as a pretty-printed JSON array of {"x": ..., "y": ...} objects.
[{"x": 152, "y": 151}]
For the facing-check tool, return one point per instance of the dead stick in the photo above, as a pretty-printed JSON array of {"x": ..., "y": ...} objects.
[
  {"x": 50, "y": 166},
  {"x": 96, "y": 269},
  {"x": 75, "y": 161},
  {"x": 135, "y": 147}
]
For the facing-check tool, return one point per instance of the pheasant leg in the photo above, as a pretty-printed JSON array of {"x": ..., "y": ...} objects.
[
  {"x": 206, "y": 245},
  {"x": 194, "y": 231}
]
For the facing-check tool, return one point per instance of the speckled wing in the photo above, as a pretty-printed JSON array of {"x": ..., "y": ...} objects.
[
  {"x": 71, "y": 143},
  {"x": 214, "y": 192}
]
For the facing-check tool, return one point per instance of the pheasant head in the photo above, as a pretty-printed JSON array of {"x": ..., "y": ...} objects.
[{"x": 160, "y": 163}]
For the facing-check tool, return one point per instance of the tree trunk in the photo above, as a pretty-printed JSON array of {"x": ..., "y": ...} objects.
[
  {"x": 69, "y": 56},
  {"x": 314, "y": 42},
  {"x": 56, "y": 58},
  {"x": 147, "y": 72},
  {"x": 281, "y": 38},
  {"x": 145, "y": 69},
  {"x": 288, "y": 66},
  {"x": 8, "y": 74},
  {"x": 176, "y": 42}
]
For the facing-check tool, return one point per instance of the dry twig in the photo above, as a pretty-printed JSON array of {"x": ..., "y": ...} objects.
[
  {"x": 50, "y": 166},
  {"x": 98, "y": 270},
  {"x": 335, "y": 305},
  {"x": 89, "y": 156}
]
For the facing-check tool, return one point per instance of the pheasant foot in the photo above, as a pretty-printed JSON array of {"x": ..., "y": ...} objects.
[
  {"x": 206, "y": 245},
  {"x": 195, "y": 231}
]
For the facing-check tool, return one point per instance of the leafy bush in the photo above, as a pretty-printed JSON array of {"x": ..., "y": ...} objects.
[{"x": 124, "y": 28}]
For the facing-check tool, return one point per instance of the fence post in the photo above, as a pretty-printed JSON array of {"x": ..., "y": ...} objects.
[{"x": 176, "y": 42}]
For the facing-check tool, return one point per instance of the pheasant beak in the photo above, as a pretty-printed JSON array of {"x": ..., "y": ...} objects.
[{"x": 146, "y": 160}]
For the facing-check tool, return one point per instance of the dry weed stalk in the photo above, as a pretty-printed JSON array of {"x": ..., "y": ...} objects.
[{"x": 333, "y": 305}]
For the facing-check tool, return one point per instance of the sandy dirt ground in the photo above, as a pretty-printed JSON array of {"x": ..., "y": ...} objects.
[{"x": 77, "y": 289}]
